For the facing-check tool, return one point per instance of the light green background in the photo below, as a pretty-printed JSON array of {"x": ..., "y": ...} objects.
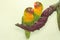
[{"x": 11, "y": 12}]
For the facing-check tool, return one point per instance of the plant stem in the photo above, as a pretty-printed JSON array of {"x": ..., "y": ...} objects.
[{"x": 58, "y": 14}]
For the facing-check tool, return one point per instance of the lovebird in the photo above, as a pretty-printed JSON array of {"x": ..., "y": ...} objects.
[
  {"x": 38, "y": 7},
  {"x": 28, "y": 19}
]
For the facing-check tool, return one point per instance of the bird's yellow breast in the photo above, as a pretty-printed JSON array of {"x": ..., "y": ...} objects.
[
  {"x": 28, "y": 17},
  {"x": 38, "y": 11}
]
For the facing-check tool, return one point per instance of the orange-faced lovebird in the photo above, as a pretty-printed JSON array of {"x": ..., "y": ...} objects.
[
  {"x": 38, "y": 7},
  {"x": 28, "y": 19}
]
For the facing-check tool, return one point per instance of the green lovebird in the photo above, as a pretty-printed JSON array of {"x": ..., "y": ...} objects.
[
  {"x": 28, "y": 19},
  {"x": 38, "y": 7}
]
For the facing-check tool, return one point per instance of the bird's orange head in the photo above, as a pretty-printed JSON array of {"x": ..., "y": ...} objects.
[
  {"x": 38, "y": 7},
  {"x": 29, "y": 10},
  {"x": 28, "y": 14},
  {"x": 37, "y": 4}
]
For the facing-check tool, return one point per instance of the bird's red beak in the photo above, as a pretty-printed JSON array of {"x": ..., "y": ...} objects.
[
  {"x": 35, "y": 5},
  {"x": 32, "y": 11}
]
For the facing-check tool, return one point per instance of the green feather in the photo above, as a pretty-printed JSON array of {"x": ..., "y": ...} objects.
[
  {"x": 36, "y": 17},
  {"x": 27, "y": 33}
]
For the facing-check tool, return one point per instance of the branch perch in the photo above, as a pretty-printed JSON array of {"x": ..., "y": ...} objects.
[{"x": 41, "y": 22}]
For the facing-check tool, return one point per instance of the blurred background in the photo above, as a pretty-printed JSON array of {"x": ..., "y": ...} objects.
[{"x": 11, "y": 12}]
